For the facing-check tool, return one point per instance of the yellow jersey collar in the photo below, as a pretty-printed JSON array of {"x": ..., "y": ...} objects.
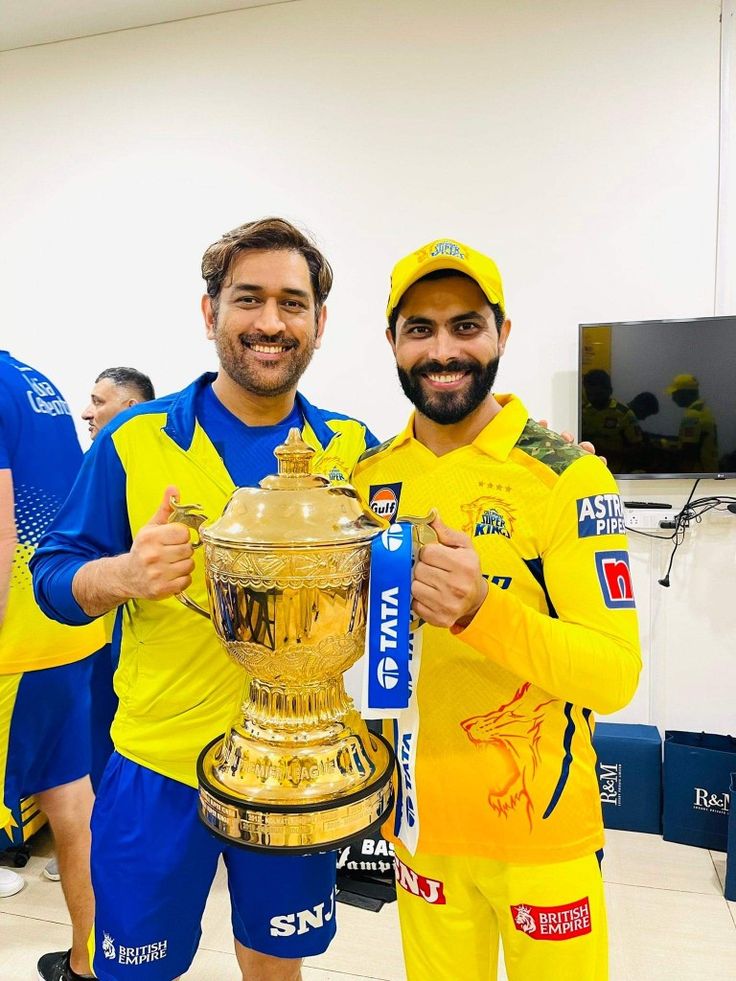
[{"x": 500, "y": 435}]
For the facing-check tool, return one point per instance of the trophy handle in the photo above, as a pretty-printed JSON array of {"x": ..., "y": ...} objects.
[
  {"x": 422, "y": 534},
  {"x": 192, "y": 516}
]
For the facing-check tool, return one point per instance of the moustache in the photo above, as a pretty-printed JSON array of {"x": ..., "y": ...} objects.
[
  {"x": 288, "y": 342},
  {"x": 437, "y": 367}
]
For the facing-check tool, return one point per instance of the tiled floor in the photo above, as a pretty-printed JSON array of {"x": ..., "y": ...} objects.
[{"x": 667, "y": 919}]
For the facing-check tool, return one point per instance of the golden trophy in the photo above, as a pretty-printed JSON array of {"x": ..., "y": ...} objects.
[{"x": 287, "y": 568}]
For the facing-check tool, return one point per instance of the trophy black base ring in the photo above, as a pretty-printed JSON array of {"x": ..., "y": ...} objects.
[{"x": 296, "y": 829}]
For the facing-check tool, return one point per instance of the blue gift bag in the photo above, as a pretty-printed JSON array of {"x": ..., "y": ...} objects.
[
  {"x": 697, "y": 779},
  {"x": 730, "y": 890},
  {"x": 629, "y": 769}
]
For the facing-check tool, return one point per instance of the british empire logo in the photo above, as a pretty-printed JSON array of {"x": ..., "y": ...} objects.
[{"x": 553, "y": 922}]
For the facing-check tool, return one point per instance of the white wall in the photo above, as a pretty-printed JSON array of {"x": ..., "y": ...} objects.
[{"x": 576, "y": 142}]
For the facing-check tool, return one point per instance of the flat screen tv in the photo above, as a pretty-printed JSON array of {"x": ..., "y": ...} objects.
[{"x": 658, "y": 397}]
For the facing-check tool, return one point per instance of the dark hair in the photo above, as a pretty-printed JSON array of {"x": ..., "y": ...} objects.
[
  {"x": 498, "y": 315},
  {"x": 265, "y": 234},
  {"x": 597, "y": 376},
  {"x": 130, "y": 378},
  {"x": 644, "y": 404}
]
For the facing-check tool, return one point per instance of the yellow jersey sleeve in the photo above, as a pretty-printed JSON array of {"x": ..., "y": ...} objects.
[{"x": 586, "y": 650}]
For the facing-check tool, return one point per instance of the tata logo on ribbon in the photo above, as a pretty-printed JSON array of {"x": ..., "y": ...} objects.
[
  {"x": 393, "y": 538},
  {"x": 614, "y": 575},
  {"x": 388, "y": 672},
  {"x": 383, "y": 500}
]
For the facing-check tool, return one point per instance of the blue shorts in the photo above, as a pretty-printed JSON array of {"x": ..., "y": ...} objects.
[
  {"x": 153, "y": 863},
  {"x": 44, "y": 729},
  {"x": 104, "y": 707}
]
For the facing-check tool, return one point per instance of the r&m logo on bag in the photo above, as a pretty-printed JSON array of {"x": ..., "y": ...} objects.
[
  {"x": 709, "y": 802},
  {"x": 609, "y": 783}
]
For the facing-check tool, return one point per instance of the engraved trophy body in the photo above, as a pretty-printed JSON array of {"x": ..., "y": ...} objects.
[{"x": 287, "y": 568}]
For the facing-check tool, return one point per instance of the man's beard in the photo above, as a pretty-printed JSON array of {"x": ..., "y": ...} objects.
[
  {"x": 263, "y": 378},
  {"x": 447, "y": 408}
]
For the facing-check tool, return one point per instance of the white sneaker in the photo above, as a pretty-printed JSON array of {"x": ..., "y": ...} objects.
[
  {"x": 10, "y": 883},
  {"x": 51, "y": 871}
]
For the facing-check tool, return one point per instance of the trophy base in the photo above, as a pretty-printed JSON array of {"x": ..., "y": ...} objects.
[{"x": 299, "y": 829}]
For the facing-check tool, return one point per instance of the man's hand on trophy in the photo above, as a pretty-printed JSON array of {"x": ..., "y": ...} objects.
[
  {"x": 448, "y": 587},
  {"x": 160, "y": 560}
]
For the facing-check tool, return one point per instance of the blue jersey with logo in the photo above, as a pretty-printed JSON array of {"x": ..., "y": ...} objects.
[{"x": 39, "y": 445}]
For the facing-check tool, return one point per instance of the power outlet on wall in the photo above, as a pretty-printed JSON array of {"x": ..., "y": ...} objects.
[{"x": 647, "y": 519}]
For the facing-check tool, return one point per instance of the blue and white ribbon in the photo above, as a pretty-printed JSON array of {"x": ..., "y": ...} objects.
[{"x": 389, "y": 613}]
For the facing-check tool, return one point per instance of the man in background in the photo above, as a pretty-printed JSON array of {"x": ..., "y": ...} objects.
[
  {"x": 115, "y": 389},
  {"x": 45, "y": 667},
  {"x": 610, "y": 424},
  {"x": 697, "y": 440}
]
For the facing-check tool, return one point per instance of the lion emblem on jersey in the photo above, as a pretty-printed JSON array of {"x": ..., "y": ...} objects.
[
  {"x": 509, "y": 737},
  {"x": 488, "y": 516},
  {"x": 524, "y": 919}
]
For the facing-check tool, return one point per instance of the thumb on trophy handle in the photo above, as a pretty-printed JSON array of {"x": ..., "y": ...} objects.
[{"x": 166, "y": 508}]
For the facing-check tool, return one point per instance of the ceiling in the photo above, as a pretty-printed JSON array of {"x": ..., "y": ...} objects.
[{"x": 27, "y": 22}]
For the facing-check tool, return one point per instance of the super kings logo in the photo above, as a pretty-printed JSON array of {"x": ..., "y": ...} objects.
[
  {"x": 614, "y": 575},
  {"x": 432, "y": 891},
  {"x": 488, "y": 516},
  {"x": 508, "y": 737},
  {"x": 553, "y": 922}
]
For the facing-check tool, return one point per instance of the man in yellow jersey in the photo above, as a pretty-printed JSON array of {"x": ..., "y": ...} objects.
[
  {"x": 611, "y": 425},
  {"x": 530, "y": 628},
  {"x": 697, "y": 440},
  {"x": 153, "y": 860},
  {"x": 45, "y": 668}
]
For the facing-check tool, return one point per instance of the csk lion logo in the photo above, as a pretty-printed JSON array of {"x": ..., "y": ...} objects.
[
  {"x": 509, "y": 738},
  {"x": 488, "y": 516}
]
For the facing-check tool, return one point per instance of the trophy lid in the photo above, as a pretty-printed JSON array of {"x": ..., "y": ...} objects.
[{"x": 293, "y": 507}]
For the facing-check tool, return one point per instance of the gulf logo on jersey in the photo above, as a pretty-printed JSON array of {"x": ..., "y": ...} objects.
[
  {"x": 383, "y": 500},
  {"x": 614, "y": 575}
]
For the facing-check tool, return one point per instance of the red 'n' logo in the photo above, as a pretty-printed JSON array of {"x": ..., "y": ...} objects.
[{"x": 614, "y": 575}]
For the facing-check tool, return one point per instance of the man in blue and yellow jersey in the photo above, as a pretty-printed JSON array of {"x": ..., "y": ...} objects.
[
  {"x": 530, "y": 628},
  {"x": 45, "y": 667},
  {"x": 153, "y": 861},
  {"x": 697, "y": 441}
]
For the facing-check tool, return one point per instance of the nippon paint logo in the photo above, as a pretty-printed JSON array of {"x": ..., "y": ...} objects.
[{"x": 710, "y": 803}]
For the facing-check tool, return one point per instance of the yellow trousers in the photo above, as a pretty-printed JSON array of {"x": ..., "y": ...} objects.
[{"x": 454, "y": 911}]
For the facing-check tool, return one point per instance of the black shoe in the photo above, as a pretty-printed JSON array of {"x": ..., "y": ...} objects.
[{"x": 56, "y": 967}]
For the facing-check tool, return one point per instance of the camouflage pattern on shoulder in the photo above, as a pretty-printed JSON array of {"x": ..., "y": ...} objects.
[
  {"x": 548, "y": 447},
  {"x": 375, "y": 449}
]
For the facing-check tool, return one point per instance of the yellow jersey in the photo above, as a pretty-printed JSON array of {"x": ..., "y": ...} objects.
[{"x": 504, "y": 765}]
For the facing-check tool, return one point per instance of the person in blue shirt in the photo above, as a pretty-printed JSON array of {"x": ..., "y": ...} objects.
[
  {"x": 44, "y": 667},
  {"x": 113, "y": 545}
]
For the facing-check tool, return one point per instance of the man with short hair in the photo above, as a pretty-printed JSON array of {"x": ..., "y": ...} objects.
[
  {"x": 44, "y": 667},
  {"x": 697, "y": 440},
  {"x": 113, "y": 544},
  {"x": 115, "y": 389},
  {"x": 530, "y": 627}
]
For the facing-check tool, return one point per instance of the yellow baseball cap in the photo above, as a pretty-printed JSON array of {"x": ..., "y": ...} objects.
[
  {"x": 682, "y": 382},
  {"x": 445, "y": 253}
]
